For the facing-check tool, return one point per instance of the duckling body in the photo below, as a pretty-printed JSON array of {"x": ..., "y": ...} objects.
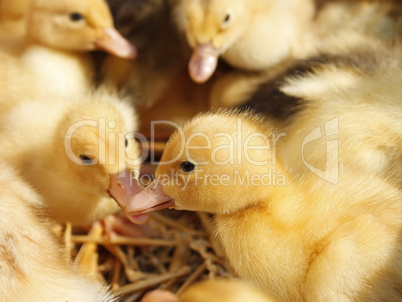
[
  {"x": 272, "y": 251},
  {"x": 32, "y": 262},
  {"x": 72, "y": 156},
  {"x": 350, "y": 97},
  {"x": 300, "y": 239}
]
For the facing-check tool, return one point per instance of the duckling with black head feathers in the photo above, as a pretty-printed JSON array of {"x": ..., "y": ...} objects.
[{"x": 355, "y": 87}]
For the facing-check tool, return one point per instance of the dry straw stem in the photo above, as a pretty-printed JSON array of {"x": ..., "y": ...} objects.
[
  {"x": 87, "y": 257},
  {"x": 124, "y": 241},
  {"x": 153, "y": 281},
  {"x": 68, "y": 244}
]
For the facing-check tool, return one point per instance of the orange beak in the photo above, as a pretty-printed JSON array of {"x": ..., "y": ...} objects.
[{"x": 114, "y": 43}]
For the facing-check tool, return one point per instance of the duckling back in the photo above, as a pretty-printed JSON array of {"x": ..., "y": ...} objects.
[
  {"x": 339, "y": 107},
  {"x": 353, "y": 100}
]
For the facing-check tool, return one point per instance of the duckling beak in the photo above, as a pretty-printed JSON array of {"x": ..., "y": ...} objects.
[
  {"x": 203, "y": 62},
  {"x": 114, "y": 43},
  {"x": 151, "y": 199},
  {"x": 121, "y": 189}
]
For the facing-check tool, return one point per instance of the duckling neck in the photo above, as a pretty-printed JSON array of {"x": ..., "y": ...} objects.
[{"x": 59, "y": 71}]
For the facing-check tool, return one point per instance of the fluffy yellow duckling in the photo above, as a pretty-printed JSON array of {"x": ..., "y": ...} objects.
[
  {"x": 31, "y": 260},
  {"x": 250, "y": 35},
  {"x": 221, "y": 290},
  {"x": 304, "y": 241},
  {"x": 72, "y": 151},
  {"x": 59, "y": 34},
  {"x": 343, "y": 106}
]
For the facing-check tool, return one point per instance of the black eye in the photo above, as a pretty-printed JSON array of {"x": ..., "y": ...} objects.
[
  {"x": 76, "y": 17},
  {"x": 86, "y": 160},
  {"x": 227, "y": 19},
  {"x": 126, "y": 142},
  {"x": 186, "y": 166}
]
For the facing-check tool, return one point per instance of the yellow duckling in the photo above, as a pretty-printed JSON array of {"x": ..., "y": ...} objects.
[
  {"x": 250, "y": 35},
  {"x": 347, "y": 109},
  {"x": 33, "y": 265},
  {"x": 301, "y": 241},
  {"x": 58, "y": 36},
  {"x": 72, "y": 152}
]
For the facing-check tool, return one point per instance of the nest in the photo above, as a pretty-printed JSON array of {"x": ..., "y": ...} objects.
[{"x": 179, "y": 251}]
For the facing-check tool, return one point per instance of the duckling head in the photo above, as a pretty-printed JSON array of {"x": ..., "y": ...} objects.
[
  {"x": 77, "y": 26},
  {"x": 211, "y": 27},
  {"x": 218, "y": 163},
  {"x": 97, "y": 153}
]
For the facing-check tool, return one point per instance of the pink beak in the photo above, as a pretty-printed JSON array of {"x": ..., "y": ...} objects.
[
  {"x": 203, "y": 62},
  {"x": 122, "y": 188},
  {"x": 114, "y": 43},
  {"x": 152, "y": 198}
]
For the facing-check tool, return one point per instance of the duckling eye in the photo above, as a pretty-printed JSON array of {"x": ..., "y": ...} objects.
[
  {"x": 126, "y": 142},
  {"x": 226, "y": 20},
  {"x": 187, "y": 166},
  {"x": 76, "y": 17},
  {"x": 86, "y": 160}
]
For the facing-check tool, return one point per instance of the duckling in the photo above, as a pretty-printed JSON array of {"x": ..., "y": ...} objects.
[
  {"x": 33, "y": 266},
  {"x": 249, "y": 35},
  {"x": 59, "y": 35},
  {"x": 349, "y": 97},
  {"x": 304, "y": 240},
  {"x": 220, "y": 290},
  {"x": 75, "y": 152}
]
